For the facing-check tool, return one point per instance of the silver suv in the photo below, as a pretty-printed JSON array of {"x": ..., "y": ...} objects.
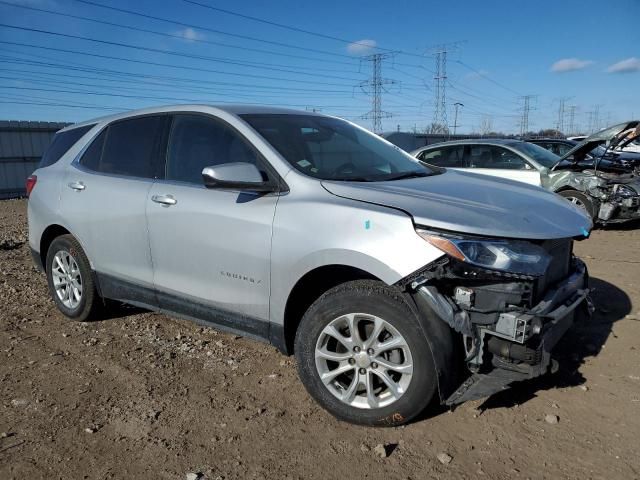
[{"x": 391, "y": 281}]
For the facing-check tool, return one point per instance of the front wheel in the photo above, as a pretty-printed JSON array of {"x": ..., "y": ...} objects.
[
  {"x": 580, "y": 200},
  {"x": 362, "y": 355}
]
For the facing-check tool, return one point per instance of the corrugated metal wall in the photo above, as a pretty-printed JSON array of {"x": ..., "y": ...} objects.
[{"x": 21, "y": 146}]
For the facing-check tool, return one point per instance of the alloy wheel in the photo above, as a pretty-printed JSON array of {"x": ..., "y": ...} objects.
[
  {"x": 363, "y": 361},
  {"x": 67, "y": 279},
  {"x": 577, "y": 202}
]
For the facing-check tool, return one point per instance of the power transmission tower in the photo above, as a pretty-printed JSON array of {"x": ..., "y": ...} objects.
[
  {"x": 374, "y": 87},
  {"x": 455, "y": 118},
  {"x": 440, "y": 53},
  {"x": 594, "y": 119},
  {"x": 560, "y": 125},
  {"x": 526, "y": 109},
  {"x": 440, "y": 91},
  {"x": 572, "y": 119}
]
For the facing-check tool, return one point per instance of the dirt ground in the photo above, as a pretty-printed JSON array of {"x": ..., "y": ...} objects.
[{"x": 142, "y": 395}]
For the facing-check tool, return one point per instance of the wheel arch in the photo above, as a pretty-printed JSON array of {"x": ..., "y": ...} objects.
[
  {"x": 307, "y": 290},
  {"x": 48, "y": 236},
  {"x": 564, "y": 188}
]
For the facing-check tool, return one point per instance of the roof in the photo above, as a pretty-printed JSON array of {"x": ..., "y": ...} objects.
[
  {"x": 476, "y": 141},
  {"x": 559, "y": 140},
  {"x": 234, "y": 109}
]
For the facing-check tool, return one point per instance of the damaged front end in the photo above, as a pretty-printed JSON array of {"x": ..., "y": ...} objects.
[
  {"x": 615, "y": 198},
  {"x": 509, "y": 303}
]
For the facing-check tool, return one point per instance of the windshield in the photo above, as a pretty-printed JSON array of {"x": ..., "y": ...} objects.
[
  {"x": 333, "y": 149},
  {"x": 541, "y": 155}
]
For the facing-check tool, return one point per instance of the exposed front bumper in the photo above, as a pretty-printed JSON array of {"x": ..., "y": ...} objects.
[
  {"x": 520, "y": 343},
  {"x": 619, "y": 210}
]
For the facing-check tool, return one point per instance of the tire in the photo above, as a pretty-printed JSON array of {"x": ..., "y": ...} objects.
[
  {"x": 79, "y": 300},
  {"x": 375, "y": 305},
  {"x": 580, "y": 200}
]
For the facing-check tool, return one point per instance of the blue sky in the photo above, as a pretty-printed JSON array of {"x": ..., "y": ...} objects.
[{"x": 585, "y": 52}]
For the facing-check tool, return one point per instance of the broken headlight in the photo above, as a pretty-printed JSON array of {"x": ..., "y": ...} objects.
[
  {"x": 515, "y": 256},
  {"x": 624, "y": 191}
]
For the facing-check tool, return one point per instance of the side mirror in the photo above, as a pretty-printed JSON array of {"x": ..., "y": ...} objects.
[{"x": 236, "y": 176}]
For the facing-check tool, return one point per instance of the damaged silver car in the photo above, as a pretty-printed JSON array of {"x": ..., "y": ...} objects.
[
  {"x": 394, "y": 283},
  {"x": 608, "y": 197}
]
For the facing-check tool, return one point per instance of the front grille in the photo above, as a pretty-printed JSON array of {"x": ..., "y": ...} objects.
[{"x": 560, "y": 251}]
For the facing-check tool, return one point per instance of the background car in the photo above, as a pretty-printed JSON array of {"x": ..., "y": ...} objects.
[
  {"x": 615, "y": 161},
  {"x": 607, "y": 197}
]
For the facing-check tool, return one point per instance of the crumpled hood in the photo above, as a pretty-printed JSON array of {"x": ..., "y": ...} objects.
[
  {"x": 617, "y": 135},
  {"x": 473, "y": 204}
]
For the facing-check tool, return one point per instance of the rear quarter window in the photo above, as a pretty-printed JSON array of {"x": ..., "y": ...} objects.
[{"x": 61, "y": 144}]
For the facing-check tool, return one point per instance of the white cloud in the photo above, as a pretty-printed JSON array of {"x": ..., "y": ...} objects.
[
  {"x": 190, "y": 34},
  {"x": 625, "y": 66},
  {"x": 361, "y": 47},
  {"x": 570, "y": 65}
]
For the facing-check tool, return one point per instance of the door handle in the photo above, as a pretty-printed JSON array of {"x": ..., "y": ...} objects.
[
  {"x": 77, "y": 186},
  {"x": 165, "y": 200}
]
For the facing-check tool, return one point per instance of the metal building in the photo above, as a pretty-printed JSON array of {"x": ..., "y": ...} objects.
[{"x": 21, "y": 146}]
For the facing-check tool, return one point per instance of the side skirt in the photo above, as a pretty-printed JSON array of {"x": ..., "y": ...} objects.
[{"x": 183, "y": 307}]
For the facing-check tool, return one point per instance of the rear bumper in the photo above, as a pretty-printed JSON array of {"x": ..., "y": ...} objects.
[{"x": 520, "y": 344}]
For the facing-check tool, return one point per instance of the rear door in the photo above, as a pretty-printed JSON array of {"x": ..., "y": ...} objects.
[
  {"x": 211, "y": 248},
  {"x": 104, "y": 199},
  {"x": 500, "y": 162}
]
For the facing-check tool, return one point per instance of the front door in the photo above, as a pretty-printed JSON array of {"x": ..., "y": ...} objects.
[{"x": 211, "y": 248}]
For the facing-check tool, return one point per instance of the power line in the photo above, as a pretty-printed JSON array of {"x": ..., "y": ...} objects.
[
  {"x": 137, "y": 75},
  {"x": 141, "y": 85},
  {"x": 173, "y": 99},
  {"x": 169, "y": 35},
  {"x": 292, "y": 28},
  {"x": 183, "y": 67},
  {"x": 168, "y": 52},
  {"x": 486, "y": 77},
  {"x": 208, "y": 29}
]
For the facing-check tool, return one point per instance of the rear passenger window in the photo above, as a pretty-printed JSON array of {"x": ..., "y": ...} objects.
[
  {"x": 128, "y": 147},
  {"x": 198, "y": 141},
  {"x": 61, "y": 144},
  {"x": 451, "y": 157}
]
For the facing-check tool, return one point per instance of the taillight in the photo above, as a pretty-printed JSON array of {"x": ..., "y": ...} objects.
[{"x": 31, "y": 182}]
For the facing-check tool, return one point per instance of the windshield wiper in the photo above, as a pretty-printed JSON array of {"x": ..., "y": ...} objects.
[{"x": 414, "y": 174}]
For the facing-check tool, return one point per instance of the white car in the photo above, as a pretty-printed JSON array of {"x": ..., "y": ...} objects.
[{"x": 606, "y": 197}]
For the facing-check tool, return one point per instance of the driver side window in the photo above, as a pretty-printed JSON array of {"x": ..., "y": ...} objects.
[{"x": 199, "y": 141}]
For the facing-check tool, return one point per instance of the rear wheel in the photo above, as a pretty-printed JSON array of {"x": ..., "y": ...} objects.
[
  {"x": 70, "y": 279},
  {"x": 580, "y": 200},
  {"x": 362, "y": 355}
]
